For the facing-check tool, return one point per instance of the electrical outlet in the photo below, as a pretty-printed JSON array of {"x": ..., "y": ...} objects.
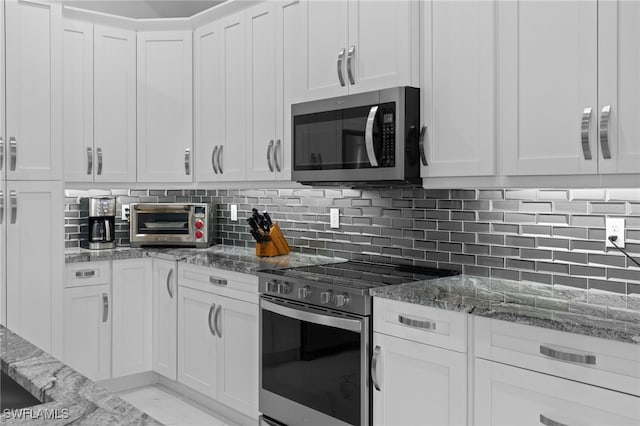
[
  {"x": 615, "y": 227},
  {"x": 335, "y": 218},
  {"x": 125, "y": 212},
  {"x": 234, "y": 212}
]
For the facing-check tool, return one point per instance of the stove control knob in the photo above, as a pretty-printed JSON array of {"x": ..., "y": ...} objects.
[
  {"x": 304, "y": 292},
  {"x": 271, "y": 287},
  {"x": 325, "y": 297},
  {"x": 342, "y": 300},
  {"x": 283, "y": 288}
]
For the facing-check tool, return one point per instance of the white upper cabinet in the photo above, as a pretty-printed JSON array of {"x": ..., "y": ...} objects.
[
  {"x": 165, "y": 117},
  {"x": 458, "y": 88},
  {"x": 358, "y": 46},
  {"x": 33, "y": 144},
  {"x": 114, "y": 95},
  {"x": 619, "y": 86},
  {"x": 548, "y": 87}
]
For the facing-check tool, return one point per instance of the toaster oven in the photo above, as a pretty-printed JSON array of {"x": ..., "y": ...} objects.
[{"x": 172, "y": 224}]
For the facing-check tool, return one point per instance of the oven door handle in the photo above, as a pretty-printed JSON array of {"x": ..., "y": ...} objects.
[{"x": 303, "y": 314}]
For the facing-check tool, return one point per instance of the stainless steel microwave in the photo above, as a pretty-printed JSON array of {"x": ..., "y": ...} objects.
[
  {"x": 365, "y": 137},
  {"x": 172, "y": 224}
]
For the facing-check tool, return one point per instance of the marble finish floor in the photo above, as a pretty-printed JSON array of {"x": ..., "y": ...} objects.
[{"x": 172, "y": 409}]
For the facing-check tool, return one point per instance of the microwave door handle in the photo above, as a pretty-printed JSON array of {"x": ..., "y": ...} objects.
[{"x": 368, "y": 136}]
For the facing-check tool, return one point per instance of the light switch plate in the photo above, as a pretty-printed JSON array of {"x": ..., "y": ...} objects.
[
  {"x": 125, "y": 212},
  {"x": 615, "y": 226},
  {"x": 335, "y": 217},
  {"x": 234, "y": 212}
]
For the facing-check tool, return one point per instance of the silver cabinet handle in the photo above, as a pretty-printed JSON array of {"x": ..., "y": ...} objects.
[
  {"x": 187, "y": 161},
  {"x": 374, "y": 367},
  {"x": 604, "y": 132},
  {"x": 277, "y": 149},
  {"x": 89, "y": 160},
  {"x": 423, "y": 153},
  {"x": 1, "y": 206},
  {"x": 99, "y": 154},
  {"x": 105, "y": 307},
  {"x": 340, "y": 61},
  {"x": 368, "y": 136},
  {"x": 218, "y": 159},
  {"x": 13, "y": 195},
  {"x": 217, "y": 281},
  {"x": 169, "y": 283},
  {"x": 213, "y": 159},
  {"x": 85, "y": 274},
  {"x": 216, "y": 322},
  {"x": 584, "y": 133},
  {"x": 211, "y": 308},
  {"x": 549, "y": 422},
  {"x": 427, "y": 325},
  {"x": 1, "y": 153},
  {"x": 13, "y": 153},
  {"x": 269, "y": 152},
  {"x": 352, "y": 51},
  {"x": 567, "y": 356}
]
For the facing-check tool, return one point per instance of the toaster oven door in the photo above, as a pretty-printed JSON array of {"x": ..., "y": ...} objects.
[{"x": 161, "y": 224}]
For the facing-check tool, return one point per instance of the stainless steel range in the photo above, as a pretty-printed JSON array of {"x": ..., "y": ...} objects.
[{"x": 315, "y": 340}]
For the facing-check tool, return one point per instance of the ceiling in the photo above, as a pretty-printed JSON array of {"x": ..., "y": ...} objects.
[{"x": 141, "y": 9}]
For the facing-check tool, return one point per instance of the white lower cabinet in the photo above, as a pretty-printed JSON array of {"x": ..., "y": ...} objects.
[
  {"x": 417, "y": 384},
  {"x": 165, "y": 318},
  {"x": 132, "y": 316},
  {"x": 87, "y": 330},
  {"x": 506, "y": 395}
]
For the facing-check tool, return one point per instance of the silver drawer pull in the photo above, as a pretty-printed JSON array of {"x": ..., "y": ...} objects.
[
  {"x": 85, "y": 274},
  {"x": 276, "y": 150},
  {"x": 99, "y": 154},
  {"x": 105, "y": 307},
  {"x": 423, "y": 154},
  {"x": 213, "y": 159},
  {"x": 374, "y": 368},
  {"x": 269, "y": 152},
  {"x": 211, "y": 309},
  {"x": 187, "y": 161},
  {"x": 216, "y": 321},
  {"x": 604, "y": 132},
  {"x": 1, "y": 152},
  {"x": 13, "y": 153},
  {"x": 1, "y": 206},
  {"x": 13, "y": 197},
  {"x": 549, "y": 422},
  {"x": 89, "y": 160},
  {"x": 427, "y": 325},
  {"x": 217, "y": 281},
  {"x": 584, "y": 133},
  {"x": 567, "y": 356},
  {"x": 352, "y": 51},
  {"x": 169, "y": 283},
  {"x": 340, "y": 60}
]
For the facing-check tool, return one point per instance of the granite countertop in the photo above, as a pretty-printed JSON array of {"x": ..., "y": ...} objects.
[
  {"x": 65, "y": 392},
  {"x": 239, "y": 259},
  {"x": 595, "y": 313}
]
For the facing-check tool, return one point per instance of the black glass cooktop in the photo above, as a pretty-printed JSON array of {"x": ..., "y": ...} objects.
[{"x": 360, "y": 275}]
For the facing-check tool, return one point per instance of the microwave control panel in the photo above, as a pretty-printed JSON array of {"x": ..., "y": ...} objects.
[{"x": 387, "y": 157}]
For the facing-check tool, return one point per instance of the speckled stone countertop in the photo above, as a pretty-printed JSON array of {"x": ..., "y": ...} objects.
[
  {"x": 62, "y": 389},
  {"x": 595, "y": 313},
  {"x": 239, "y": 259}
]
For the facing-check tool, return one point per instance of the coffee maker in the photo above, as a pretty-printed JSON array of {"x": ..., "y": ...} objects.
[{"x": 101, "y": 232}]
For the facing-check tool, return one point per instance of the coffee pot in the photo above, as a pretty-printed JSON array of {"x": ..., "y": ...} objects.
[{"x": 101, "y": 232}]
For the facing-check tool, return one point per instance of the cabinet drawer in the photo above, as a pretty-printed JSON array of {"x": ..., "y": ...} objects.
[
  {"x": 592, "y": 360},
  {"x": 506, "y": 395},
  {"x": 87, "y": 273},
  {"x": 219, "y": 281},
  {"x": 421, "y": 324}
]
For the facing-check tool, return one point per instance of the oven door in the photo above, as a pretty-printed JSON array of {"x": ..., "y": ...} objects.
[
  {"x": 314, "y": 365},
  {"x": 154, "y": 223}
]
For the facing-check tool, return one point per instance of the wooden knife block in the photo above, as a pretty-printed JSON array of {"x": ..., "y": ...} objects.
[{"x": 277, "y": 246}]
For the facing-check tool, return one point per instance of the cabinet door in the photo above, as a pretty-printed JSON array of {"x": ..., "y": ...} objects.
[
  {"x": 458, "y": 88},
  {"x": 33, "y": 70},
  {"x": 619, "y": 86},
  {"x": 35, "y": 235},
  {"x": 547, "y": 80},
  {"x": 383, "y": 45},
  {"x": 165, "y": 317},
  {"x": 237, "y": 324},
  {"x": 419, "y": 384},
  {"x": 132, "y": 316},
  {"x": 197, "y": 341},
  {"x": 325, "y": 51},
  {"x": 506, "y": 395},
  {"x": 208, "y": 119},
  {"x": 233, "y": 158},
  {"x": 289, "y": 79},
  {"x": 115, "y": 105},
  {"x": 87, "y": 330},
  {"x": 165, "y": 118},
  {"x": 78, "y": 101},
  {"x": 261, "y": 91}
]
